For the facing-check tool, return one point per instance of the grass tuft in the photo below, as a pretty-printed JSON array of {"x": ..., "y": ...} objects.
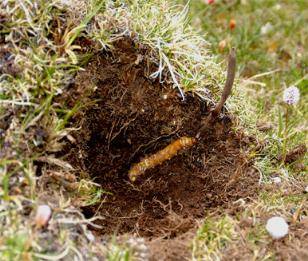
[{"x": 212, "y": 237}]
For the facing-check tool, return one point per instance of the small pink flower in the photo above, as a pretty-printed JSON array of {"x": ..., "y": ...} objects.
[{"x": 209, "y": 2}]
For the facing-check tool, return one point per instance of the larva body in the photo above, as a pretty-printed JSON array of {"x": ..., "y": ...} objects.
[{"x": 160, "y": 157}]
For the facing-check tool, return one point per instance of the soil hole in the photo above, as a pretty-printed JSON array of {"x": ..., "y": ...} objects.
[{"x": 134, "y": 117}]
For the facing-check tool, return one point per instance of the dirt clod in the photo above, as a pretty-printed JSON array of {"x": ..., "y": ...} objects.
[
  {"x": 134, "y": 117},
  {"x": 296, "y": 153},
  {"x": 7, "y": 65}
]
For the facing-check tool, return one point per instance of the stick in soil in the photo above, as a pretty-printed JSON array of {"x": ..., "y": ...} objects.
[
  {"x": 160, "y": 157},
  {"x": 228, "y": 85},
  {"x": 209, "y": 120}
]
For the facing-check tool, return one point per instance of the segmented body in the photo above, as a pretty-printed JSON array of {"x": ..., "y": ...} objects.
[{"x": 160, "y": 157}]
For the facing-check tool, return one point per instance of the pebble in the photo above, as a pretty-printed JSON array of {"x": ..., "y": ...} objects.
[
  {"x": 276, "y": 180},
  {"x": 277, "y": 227},
  {"x": 43, "y": 214}
]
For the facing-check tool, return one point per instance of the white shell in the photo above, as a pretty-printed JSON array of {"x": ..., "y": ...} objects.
[{"x": 277, "y": 227}]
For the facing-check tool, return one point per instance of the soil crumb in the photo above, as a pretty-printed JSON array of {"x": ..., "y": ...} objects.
[
  {"x": 7, "y": 65},
  {"x": 296, "y": 153},
  {"x": 131, "y": 116}
]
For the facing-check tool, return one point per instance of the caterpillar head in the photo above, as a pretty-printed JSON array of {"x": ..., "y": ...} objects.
[{"x": 134, "y": 173}]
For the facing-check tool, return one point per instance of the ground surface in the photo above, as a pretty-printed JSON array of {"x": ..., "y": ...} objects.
[{"x": 210, "y": 201}]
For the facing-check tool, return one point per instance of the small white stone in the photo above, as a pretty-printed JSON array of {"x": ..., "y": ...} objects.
[
  {"x": 277, "y": 227},
  {"x": 66, "y": 2},
  {"x": 306, "y": 189},
  {"x": 90, "y": 236},
  {"x": 276, "y": 180},
  {"x": 43, "y": 214}
]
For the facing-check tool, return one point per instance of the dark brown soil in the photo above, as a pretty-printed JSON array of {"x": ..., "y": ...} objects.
[
  {"x": 296, "y": 153},
  {"x": 7, "y": 65},
  {"x": 133, "y": 117}
]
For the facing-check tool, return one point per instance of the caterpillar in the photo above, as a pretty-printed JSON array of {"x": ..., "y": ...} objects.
[{"x": 161, "y": 156}]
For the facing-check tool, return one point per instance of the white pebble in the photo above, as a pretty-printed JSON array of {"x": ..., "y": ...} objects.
[
  {"x": 276, "y": 180},
  {"x": 66, "y": 2},
  {"x": 306, "y": 189},
  {"x": 277, "y": 227},
  {"x": 43, "y": 214},
  {"x": 90, "y": 236}
]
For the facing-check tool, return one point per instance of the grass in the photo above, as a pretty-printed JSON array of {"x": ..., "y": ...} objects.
[
  {"x": 212, "y": 237},
  {"x": 279, "y": 50},
  {"x": 182, "y": 52},
  {"x": 40, "y": 38}
]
